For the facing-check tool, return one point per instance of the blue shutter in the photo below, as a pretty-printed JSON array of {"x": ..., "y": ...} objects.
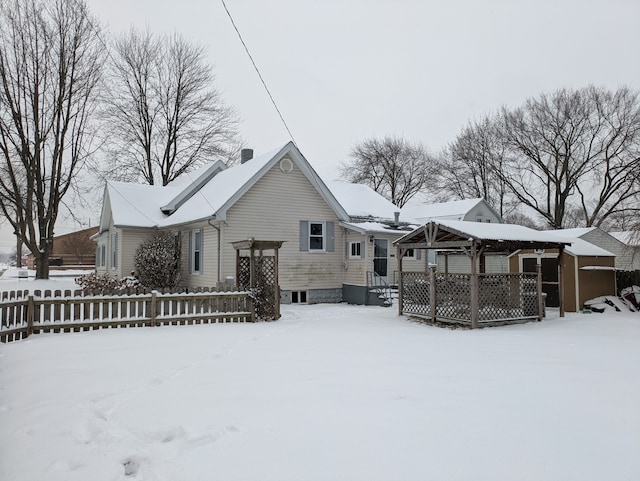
[
  {"x": 362, "y": 247},
  {"x": 304, "y": 235},
  {"x": 201, "y": 250},
  {"x": 330, "y": 237},
  {"x": 190, "y": 252},
  {"x": 418, "y": 254}
]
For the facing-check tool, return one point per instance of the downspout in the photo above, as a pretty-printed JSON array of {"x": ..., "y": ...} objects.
[{"x": 217, "y": 229}]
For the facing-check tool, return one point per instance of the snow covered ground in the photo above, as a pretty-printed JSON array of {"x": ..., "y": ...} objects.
[{"x": 329, "y": 392}]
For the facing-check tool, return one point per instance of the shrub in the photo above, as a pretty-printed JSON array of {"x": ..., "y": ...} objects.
[
  {"x": 99, "y": 282},
  {"x": 157, "y": 260}
]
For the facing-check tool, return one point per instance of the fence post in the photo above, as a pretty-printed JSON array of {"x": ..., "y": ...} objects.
[
  {"x": 30, "y": 313},
  {"x": 153, "y": 312},
  {"x": 432, "y": 292},
  {"x": 539, "y": 283}
]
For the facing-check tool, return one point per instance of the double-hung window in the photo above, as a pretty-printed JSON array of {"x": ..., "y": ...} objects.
[
  {"x": 102, "y": 255},
  {"x": 195, "y": 258},
  {"x": 114, "y": 250},
  {"x": 355, "y": 250},
  {"x": 316, "y": 236}
]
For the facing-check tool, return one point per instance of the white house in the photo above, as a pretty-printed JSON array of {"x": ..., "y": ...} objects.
[
  {"x": 471, "y": 210},
  {"x": 335, "y": 237}
]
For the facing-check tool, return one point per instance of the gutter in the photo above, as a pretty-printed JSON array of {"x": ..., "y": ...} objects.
[{"x": 218, "y": 230}]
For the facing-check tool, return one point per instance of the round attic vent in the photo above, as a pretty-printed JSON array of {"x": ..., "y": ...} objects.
[{"x": 286, "y": 165}]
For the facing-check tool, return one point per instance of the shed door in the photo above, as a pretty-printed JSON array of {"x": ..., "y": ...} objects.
[
  {"x": 550, "y": 284},
  {"x": 380, "y": 257}
]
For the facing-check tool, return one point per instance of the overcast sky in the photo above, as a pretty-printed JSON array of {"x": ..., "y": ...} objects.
[{"x": 343, "y": 71}]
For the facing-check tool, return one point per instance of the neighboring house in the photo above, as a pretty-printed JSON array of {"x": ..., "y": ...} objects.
[
  {"x": 333, "y": 237},
  {"x": 631, "y": 251},
  {"x": 74, "y": 250},
  {"x": 589, "y": 270},
  {"x": 625, "y": 259},
  {"x": 471, "y": 210}
]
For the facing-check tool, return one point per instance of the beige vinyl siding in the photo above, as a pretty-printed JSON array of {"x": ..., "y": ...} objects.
[
  {"x": 624, "y": 254},
  {"x": 272, "y": 210},
  {"x": 355, "y": 272},
  {"x": 208, "y": 277},
  {"x": 413, "y": 264},
  {"x": 460, "y": 263},
  {"x": 129, "y": 240},
  {"x": 482, "y": 211}
]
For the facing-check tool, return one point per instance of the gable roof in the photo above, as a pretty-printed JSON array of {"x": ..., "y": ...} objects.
[
  {"x": 361, "y": 201},
  {"x": 204, "y": 194},
  {"x": 454, "y": 210},
  {"x": 135, "y": 205},
  {"x": 574, "y": 232},
  {"x": 579, "y": 246},
  {"x": 628, "y": 237}
]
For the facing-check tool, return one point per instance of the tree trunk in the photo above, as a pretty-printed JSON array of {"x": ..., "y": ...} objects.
[{"x": 42, "y": 264}]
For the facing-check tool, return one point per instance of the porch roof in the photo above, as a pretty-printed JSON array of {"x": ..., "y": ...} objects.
[{"x": 446, "y": 234}]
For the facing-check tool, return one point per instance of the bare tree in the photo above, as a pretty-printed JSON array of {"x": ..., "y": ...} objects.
[
  {"x": 471, "y": 166},
  {"x": 394, "y": 167},
  {"x": 50, "y": 63},
  {"x": 163, "y": 113},
  {"x": 573, "y": 155}
]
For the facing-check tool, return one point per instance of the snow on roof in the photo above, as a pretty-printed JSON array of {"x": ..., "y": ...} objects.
[
  {"x": 574, "y": 232},
  {"x": 581, "y": 247},
  {"x": 360, "y": 200},
  {"x": 513, "y": 232},
  {"x": 373, "y": 227},
  {"x": 455, "y": 210},
  {"x": 500, "y": 232},
  {"x": 218, "y": 191},
  {"x": 628, "y": 237},
  {"x": 138, "y": 204}
]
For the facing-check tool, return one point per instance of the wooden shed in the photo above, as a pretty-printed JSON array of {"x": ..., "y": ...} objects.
[
  {"x": 589, "y": 272},
  {"x": 477, "y": 297}
]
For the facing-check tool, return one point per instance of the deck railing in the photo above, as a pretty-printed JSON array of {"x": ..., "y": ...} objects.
[
  {"x": 23, "y": 313},
  {"x": 503, "y": 297}
]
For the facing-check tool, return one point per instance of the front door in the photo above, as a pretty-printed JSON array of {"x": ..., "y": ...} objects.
[
  {"x": 381, "y": 257},
  {"x": 550, "y": 284}
]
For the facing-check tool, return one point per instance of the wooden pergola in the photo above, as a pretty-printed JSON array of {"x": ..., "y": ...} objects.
[
  {"x": 258, "y": 273},
  {"x": 476, "y": 297}
]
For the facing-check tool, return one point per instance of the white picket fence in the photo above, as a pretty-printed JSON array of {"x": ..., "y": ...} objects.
[{"x": 23, "y": 313}]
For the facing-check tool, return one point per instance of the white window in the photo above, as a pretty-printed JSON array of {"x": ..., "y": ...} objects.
[
  {"x": 299, "y": 297},
  {"x": 355, "y": 250},
  {"x": 316, "y": 236},
  {"x": 114, "y": 250},
  {"x": 102, "y": 255},
  {"x": 410, "y": 254},
  {"x": 196, "y": 251}
]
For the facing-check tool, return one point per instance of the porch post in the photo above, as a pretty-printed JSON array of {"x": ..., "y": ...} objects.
[
  {"x": 432, "y": 292},
  {"x": 561, "y": 279},
  {"x": 474, "y": 288},
  {"x": 539, "y": 289},
  {"x": 399, "y": 253},
  {"x": 276, "y": 288}
]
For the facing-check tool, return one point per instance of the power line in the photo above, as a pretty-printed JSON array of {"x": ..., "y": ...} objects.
[{"x": 258, "y": 72}]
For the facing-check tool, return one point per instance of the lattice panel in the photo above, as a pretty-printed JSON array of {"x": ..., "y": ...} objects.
[
  {"x": 264, "y": 285},
  {"x": 507, "y": 296},
  {"x": 415, "y": 293},
  {"x": 453, "y": 295},
  {"x": 244, "y": 273}
]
